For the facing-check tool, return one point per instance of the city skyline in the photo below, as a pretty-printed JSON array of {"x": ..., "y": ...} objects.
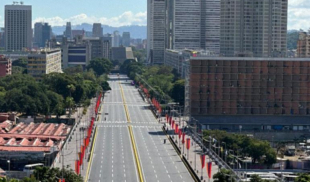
[{"x": 132, "y": 12}]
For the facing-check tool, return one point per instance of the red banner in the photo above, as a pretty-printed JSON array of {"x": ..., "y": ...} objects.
[
  {"x": 209, "y": 169},
  {"x": 188, "y": 143},
  {"x": 176, "y": 128},
  {"x": 172, "y": 124},
  {"x": 180, "y": 133},
  {"x": 80, "y": 158},
  {"x": 203, "y": 160},
  {"x": 183, "y": 138},
  {"x": 77, "y": 166}
]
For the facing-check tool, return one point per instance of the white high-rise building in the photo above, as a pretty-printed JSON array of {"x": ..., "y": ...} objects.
[
  {"x": 211, "y": 25},
  {"x": 156, "y": 31},
  {"x": 116, "y": 39},
  {"x": 183, "y": 24},
  {"x": 254, "y": 28},
  {"x": 18, "y": 31}
]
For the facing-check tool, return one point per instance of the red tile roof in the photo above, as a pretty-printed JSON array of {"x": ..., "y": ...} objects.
[{"x": 33, "y": 136}]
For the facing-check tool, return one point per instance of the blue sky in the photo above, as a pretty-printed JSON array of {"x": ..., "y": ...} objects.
[
  {"x": 123, "y": 12},
  {"x": 113, "y": 12}
]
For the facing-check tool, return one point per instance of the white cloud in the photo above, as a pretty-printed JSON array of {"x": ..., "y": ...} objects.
[
  {"x": 127, "y": 18},
  {"x": 299, "y": 14}
]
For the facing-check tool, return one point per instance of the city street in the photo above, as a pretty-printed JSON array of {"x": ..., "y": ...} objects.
[{"x": 129, "y": 143}]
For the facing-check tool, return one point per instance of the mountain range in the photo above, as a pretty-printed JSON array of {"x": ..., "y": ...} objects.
[{"x": 136, "y": 31}]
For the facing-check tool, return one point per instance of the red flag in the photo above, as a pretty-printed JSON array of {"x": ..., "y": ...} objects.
[
  {"x": 209, "y": 169},
  {"x": 81, "y": 158},
  {"x": 183, "y": 138},
  {"x": 77, "y": 167},
  {"x": 188, "y": 143},
  {"x": 172, "y": 124},
  {"x": 176, "y": 128},
  {"x": 180, "y": 133},
  {"x": 202, "y": 158}
]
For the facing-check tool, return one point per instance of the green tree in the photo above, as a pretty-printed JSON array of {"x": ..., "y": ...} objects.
[
  {"x": 178, "y": 92},
  {"x": 304, "y": 177},
  {"x": 18, "y": 70},
  {"x": 56, "y": 103},
  {"x": 100, "y": 66},
  {"x": 46, "y": 174},
  {"x": 258, "y": 150},
  {"x": 256, "y": 178},
  {"x": 224, "y": 175},
  {"x": 23, "y": 62},
  {"x": 74, "y": 70}
]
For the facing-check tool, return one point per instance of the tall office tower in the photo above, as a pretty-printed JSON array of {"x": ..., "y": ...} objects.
[
  {"x": 148, "y": 34},
  {"x": 253, "y": 28},
  {"x": 106, "y": 46},
  {"x": 2, "y": 39},
  {"x": 68, "y": 31},
  {"x": 100, "y": 46},
  {"x": 210, "y": 25},
  {"x": 97, "y": 30},
  {"x": 18, "y": 32},
  {"x": 126, "y": 39},
  {"x": 156, "y": 31},
  {"x": 42, "y": 33},
  {"x": 183, "y": 26},
  {"x": 116, "y": 39}
]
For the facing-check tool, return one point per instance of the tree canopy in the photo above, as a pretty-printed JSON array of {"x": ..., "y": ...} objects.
[
  {"x": 163, "y": 79},
  {"x": 304, "y": 177},
  {"x": 46, "y": 174},
  {"x": 224, "y": 175},
  {"x": 100, "y": 66},
  {"x": 22, "y": 93},
  {"x": 259, "y": 150}
]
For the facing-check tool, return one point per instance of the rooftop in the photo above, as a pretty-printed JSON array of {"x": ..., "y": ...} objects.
[
  {"x": 248, "y": 58},
  {"x": 32, "y": 137}
]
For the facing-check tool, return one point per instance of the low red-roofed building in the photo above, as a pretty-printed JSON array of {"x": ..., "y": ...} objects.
[{"x": 31, "y": 143}]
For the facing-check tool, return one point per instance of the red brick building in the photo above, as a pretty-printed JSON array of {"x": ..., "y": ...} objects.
[
  {"x": 236, "y": 86},
  {"x": 5, "y": 66}
]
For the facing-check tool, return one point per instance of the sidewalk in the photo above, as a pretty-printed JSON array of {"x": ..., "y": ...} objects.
[
  {"x": 193, "y": 154},
  {"x": 72, "y": 147}
]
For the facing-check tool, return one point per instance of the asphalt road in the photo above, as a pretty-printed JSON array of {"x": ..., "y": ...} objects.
[{"x": 113, "y": 158}]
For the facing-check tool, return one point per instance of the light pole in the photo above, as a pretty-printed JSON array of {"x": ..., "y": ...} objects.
[
  {"x": 9, "y": 166},
  {"x": 225, "y": 152}
]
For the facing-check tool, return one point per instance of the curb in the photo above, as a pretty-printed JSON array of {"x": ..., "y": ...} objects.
[
  {"x": 90, "y": 159},
  {"x": 184, "y": 160}
]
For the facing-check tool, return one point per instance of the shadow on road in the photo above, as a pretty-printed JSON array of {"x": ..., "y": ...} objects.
[{"x": 159, "y": 132}]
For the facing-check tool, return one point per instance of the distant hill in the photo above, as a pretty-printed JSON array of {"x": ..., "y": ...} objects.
[
  {"x": 136, "y": 31},
  {"x": 292, "y": 38}
]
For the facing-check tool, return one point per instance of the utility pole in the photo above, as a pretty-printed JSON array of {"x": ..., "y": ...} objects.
[
  {"x": 63, "y": 164},
  {"x": 195, "y": 142}
]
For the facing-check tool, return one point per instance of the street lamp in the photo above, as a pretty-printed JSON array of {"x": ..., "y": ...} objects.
[
  {"x": 9, "y": 166},
  {"x": 225, "y": 151}
]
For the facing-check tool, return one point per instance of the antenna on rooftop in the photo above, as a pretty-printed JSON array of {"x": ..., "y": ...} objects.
[{"x": 21, "y": 3}]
